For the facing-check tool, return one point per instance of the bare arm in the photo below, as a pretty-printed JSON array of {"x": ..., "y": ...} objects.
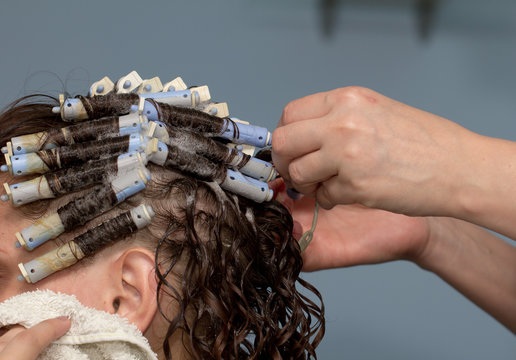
[
  {"x": 486, "y": 190},
  {"x": 475, "y": 262}
]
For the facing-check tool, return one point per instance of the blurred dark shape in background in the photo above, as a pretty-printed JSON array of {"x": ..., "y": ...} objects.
[{"x": 424, "y": 10}]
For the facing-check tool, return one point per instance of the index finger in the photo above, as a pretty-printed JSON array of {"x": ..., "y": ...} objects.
[
  {"x": 308, "y": 107},
  {"x": 28, "y": 344}
]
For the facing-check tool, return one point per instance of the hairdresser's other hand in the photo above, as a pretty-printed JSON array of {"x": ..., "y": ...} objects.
[
  {"x": 354, "y": 145},
  {"x": 26, "y": 344},
  {"x": 350, "y": 235}
]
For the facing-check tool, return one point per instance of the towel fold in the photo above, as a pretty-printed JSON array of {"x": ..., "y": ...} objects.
[{"x": 94, "y": 334}]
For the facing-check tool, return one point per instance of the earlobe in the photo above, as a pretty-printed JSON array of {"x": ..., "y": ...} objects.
[{"x": 134, "y": 286}]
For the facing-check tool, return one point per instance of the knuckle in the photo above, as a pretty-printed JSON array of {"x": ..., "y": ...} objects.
[
  {"x": 358, "y": 189},
  {"x": 279, "y": 141},
  {"x": 350, "y": 127},
  {"x": 287, "y": 111},
  {"x": 25, "y": 338},
  {"x": 352, "y": 151},
  {"x": 356, "y": 185},
  {"x": 323, "y": 197},
  {"x": 348, "y": 95},
  {"x": 323, "y": 194},
  {"x": 296, "y": 173}
]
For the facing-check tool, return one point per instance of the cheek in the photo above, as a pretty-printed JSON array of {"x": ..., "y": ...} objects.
[
  {"x": 11, "y": 287},
  {"x": 74, "y": 282},
  {"x": 68, "y": 282}
]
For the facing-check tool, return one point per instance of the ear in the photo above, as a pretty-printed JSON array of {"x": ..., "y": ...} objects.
[{"x": 131, "y": 292}]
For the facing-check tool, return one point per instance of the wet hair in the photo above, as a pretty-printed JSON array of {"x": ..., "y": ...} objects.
[{"x": 235, "y": 260}]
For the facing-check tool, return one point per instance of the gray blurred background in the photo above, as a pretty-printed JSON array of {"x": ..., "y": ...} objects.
[{"x": 455, "y": 58}]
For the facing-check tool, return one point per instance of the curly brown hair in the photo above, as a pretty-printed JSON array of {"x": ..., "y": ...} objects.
[{"x": 236, "y": 260}]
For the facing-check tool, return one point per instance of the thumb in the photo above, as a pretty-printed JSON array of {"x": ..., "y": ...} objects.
[{"x": 28, "y": 344}]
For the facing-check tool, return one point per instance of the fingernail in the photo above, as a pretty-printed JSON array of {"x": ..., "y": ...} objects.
[
  {"x": 294, "y": 194},
  {"x": 63, "y": 318}
]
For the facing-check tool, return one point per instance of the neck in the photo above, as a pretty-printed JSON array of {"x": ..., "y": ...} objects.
[{"x": 155, "y": 335}]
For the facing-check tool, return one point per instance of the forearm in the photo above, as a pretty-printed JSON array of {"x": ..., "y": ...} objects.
[
  {"x": 486, "y": 185},
  {"x": 475, "y": 262}
]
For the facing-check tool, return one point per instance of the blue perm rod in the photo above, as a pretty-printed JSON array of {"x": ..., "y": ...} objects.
[
  {"x": 72, "y": 109},
  {"x": 248, "y": 187},
  {"x": 51, "y": 226},
  {"x": 32, "y": 163},
  {"x": 79, "y": 132},
  {"x": 70, "y": 253},
  {"x": 236, "y": 131}
]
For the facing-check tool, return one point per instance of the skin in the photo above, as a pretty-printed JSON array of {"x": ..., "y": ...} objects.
[
  {"x": 349, "y": 235},
  {"x": 356, "y": 146},
  {"x": 17, "y": 342},
  {"x": 10, "y": 257},
  {"x": 377, "y": 166},
  {"x": 119, "y": 279},
  {"x": 33, "y": 340}
]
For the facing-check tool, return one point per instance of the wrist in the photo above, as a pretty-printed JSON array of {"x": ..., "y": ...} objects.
[
  {"x": 437, "y": 246},
  {"x": 451, "y": 174},
  {"x": 485, "y": 192},
  {"x": 472, "y": 180}
]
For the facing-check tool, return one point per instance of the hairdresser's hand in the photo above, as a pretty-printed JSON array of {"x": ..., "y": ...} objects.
[
  {"x": 350, "y": 235},
  {"x": 356, "y": 146},
  {"x": 26, "y": 344}
]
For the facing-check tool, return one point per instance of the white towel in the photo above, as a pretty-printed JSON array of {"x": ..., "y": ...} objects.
[{"x": 94, "y": 334}]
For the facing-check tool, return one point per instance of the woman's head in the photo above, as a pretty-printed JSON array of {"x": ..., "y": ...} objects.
[{"x": 214, "y": 272}]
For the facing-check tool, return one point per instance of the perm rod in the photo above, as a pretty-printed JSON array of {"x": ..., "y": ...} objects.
[
  {"x": 53, "y": 225},
  {"x": 75, "y": 250},
  {"x": 68, "y": 180},
  {"x": 73, "y": 109},
  {"x": 233, "y": 129},
  {"x": 81, "y": 132},
  {"x": 72, "y": 155},
  {"x": 247, "y": 187}
]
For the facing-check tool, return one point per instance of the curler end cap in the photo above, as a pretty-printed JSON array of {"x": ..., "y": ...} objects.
[
  {"x": 56, "y": 109},
  {"x": 5, "y": 150},
  {"x": 20, "y": 278},
  {"x": 4, "y": 168},
  {"x": 270, "y": 195},
  {"x": 150, "y": 211},
  {"x": 17, "y": 244}
]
